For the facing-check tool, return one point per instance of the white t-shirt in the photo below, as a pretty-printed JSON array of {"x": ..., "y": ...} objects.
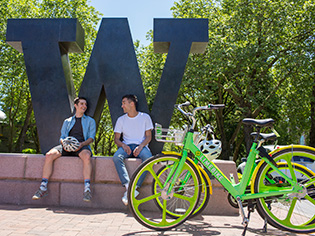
[{"x": 133, "y": 128}]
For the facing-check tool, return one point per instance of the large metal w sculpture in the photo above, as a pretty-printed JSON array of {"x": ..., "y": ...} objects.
[{"x": 112, "y": 70}]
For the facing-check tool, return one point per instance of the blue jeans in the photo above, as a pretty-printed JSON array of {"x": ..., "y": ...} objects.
[{"x": 119, "y": 157}]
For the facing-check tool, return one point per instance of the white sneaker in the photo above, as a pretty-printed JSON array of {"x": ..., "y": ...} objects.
[{"x": 125, "y": 198}]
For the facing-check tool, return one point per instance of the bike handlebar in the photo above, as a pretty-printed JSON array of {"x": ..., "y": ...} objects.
[{"x": 192, "y": 115}]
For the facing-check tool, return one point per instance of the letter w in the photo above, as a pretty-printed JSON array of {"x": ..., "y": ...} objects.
[{"x": 113, "y": 70}]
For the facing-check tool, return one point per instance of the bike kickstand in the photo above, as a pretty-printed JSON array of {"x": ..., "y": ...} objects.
[
  {"x": 265, "y": 221},
  {"x": 251, "y": 208},
  {"x": 240, "y": 205},
  {"x": 245, "y": 219},
  {"x": 245, "y": 228},
  {"x": 265, "y": 226}
]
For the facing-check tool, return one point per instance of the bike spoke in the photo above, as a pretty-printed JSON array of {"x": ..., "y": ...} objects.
[
  {"x": 311, "y": 200},
  {"x": 290, "y": 211},
  {"x": 146, "y": 199}
]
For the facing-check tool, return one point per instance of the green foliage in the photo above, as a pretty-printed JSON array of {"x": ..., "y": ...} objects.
[
  {"x": 104, "y": 140},
  {"x": 256, "y": 59},
  {"x": 258, "y": 63},
  {"x": 29, "y": 150}
]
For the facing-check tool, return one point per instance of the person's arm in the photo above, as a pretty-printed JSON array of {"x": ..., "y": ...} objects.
[
  {"x": 92, "y": 129},
  {"x": 145, "y": 142},
  {"x": 64, "y": 131},
  {"x": 85, "y": 143},
  {"x": 121, "y": 144}
]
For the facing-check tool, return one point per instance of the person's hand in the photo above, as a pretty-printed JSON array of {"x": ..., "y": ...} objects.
[
  {"x": 61, "y": 141},
  {"x": 126, "y": 149},
  {"x": 137, "y": 150},
  {"x": 80, "y": 146}
]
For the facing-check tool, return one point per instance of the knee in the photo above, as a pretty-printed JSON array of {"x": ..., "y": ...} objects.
[
  {"x": 50, "y": 157},
  {"x": 118, "y": 158},
  {"x": 85, "y": 156}
]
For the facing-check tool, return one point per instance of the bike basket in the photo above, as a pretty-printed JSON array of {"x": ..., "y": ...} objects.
[{"x": 169, "y": 135}]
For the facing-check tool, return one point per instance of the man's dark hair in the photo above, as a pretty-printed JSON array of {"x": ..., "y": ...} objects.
[
  {"x": 77, "y": 99},
  {"x": 131, "y": 97}
]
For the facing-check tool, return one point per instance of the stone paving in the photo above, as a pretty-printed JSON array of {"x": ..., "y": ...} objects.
[{"x": 27, "y": 220}]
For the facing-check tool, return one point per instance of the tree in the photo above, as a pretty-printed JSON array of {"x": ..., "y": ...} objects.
[
  {"x": 255, "y": 54},
  {"x": 14, "y": 90},
  {"x": 254, "y": 47}
]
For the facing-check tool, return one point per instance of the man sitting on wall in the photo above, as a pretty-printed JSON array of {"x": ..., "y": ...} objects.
[
  {"x": 135, "y": 128},
  {"x": 83, "y": 128}
]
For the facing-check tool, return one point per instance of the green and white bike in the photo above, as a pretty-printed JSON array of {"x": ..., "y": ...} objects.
[{"x": 283, "y": 191}]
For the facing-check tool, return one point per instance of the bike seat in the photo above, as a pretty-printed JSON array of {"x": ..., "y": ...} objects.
[
  {"x": 270, "y": 136},
  {"x": 258, "y": 122}
]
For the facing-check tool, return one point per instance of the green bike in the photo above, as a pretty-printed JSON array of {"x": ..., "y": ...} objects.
[{"x": 283, "y": 191}]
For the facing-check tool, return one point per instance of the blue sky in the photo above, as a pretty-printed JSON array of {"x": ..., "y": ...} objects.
[{"x": 140, "y": 13}]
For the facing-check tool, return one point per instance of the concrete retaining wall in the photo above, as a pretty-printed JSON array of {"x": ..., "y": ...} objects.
[{"x": 20, "y": 176}]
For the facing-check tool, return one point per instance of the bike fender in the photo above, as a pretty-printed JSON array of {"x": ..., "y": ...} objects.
[
  {"x": 292, "y": 146},
  {"x": 207, "y": 178}
]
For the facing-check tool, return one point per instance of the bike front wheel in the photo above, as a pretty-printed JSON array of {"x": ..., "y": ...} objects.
[
  {"x": 178, "y": 206},
  {"x": 291, "y": 212},
  {"x": 144, "y": 207}
]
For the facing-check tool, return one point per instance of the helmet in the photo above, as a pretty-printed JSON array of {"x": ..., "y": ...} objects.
[
  {"x": 70, "y": 144},
  {"x": 210, "y": 148}
]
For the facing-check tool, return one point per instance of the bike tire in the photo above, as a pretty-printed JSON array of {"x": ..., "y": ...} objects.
[
  {"x": 143, "y": 207},
  {"x": 177, "y": 206},
  {"x": 292, "y": 213}
]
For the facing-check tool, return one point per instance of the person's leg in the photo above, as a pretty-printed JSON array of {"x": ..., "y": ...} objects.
[
  {"x": 143, "y": 155},
  {"x": 85, "y": 156},
  {"x": 50, "y": 157},
  {"x": 122, "y": 172},
  {"x": 118, "y": 158}
]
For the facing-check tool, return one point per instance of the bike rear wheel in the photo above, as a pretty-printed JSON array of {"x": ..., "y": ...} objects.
[
  {"x": 144, "y": 207},
  {"x": 295, "y": 213},
  {"x": 177, "y": 206}
]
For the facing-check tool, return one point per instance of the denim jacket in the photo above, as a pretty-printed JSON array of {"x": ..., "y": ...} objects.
[{"x": 88, "y": 127}]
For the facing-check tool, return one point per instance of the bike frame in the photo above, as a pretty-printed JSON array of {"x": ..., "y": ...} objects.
[{"x": 236, "y": 190}]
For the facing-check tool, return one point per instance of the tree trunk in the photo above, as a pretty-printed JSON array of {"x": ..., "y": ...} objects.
[
  {"x": 95, "y": 144},
  {"x": 237, "y": 148},
  {"x": 22, "y": 135},
  {"x": 225, "y": 155},
  {"x": 35, "y": 138},
  {"x": 219, "y": 114},
  {"x": 248, "y": 129}
]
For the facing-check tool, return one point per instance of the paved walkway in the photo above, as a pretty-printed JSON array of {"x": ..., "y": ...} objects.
[{"x": 25, "y": 220}]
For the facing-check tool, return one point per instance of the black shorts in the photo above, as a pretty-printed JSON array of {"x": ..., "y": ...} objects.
[{"x": 60, "y": 149}]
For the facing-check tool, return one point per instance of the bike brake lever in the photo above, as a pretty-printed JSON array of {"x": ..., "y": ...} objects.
[
  {"x": 185, "y": 104},
  {"x": 182, "y": 105}
]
